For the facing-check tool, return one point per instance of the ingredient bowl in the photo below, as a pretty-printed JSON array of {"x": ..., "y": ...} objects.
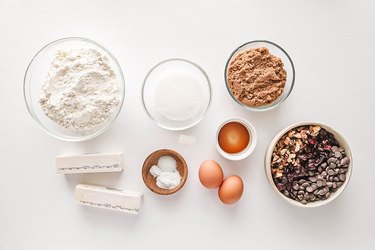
[
  {"x": 316, "y": 173},
  {"x": 37, "y": 74},
  {"x": 152, "y": 160},
  {"x": 277, "y": 51},
  {"x": 176, "y": 94},
  {"x": 250, "y": 147}
]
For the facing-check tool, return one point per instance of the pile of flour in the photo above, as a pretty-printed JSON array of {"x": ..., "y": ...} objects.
[{"x": 81, "y": 90}]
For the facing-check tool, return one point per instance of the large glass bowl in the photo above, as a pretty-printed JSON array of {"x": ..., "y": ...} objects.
[
  {"x": 35, "y": 77},
  {"x": 163, "y": 69},
  {"x": 288, "y": 66}
]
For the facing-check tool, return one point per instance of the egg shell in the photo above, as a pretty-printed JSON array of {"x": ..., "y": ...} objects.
[
  {"x": 231, "y": 189},
  {"x": 210, "y": 174}
]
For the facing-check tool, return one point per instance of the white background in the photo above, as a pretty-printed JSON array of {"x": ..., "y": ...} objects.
[{"x": 332, "y": 43}]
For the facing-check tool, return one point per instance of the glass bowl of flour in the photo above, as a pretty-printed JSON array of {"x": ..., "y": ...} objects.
[
  {"x": 176, "y": 94},
  {"x": 74, "y": 89}
]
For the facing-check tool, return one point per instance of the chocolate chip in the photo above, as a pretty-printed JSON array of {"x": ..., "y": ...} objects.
[
  {"x": 323, "y": 191},
  {"x": 331, "y": 160},
  {"x": 337, "y": 154},
  {"x": 312, "y": 197},
  {"x": 331, "y": 172},
  {"x": 305, "y": 184},
  {"x": 306, "y": 196},
  {"x": 342, "y": 177},
  {"x": 332, "y": 165},
  {"x": 343, "y": 170},
  {"x": 344, "y": 161},
  {"x": 312, "y": 179}
]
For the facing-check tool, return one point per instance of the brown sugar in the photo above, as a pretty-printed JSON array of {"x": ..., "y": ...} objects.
[{"x": 256, "y": 77}]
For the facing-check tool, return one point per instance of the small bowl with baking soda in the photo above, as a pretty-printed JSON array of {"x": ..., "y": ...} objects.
[
  {"x": 236, "y": 139},
  {"x": 164, "y": 172}
]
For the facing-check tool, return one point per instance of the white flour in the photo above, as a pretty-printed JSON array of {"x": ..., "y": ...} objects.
[{"x": 81, "y": 90}]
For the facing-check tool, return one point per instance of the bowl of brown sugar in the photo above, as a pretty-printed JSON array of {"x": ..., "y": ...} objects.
[{"x": 259, "y": 75}]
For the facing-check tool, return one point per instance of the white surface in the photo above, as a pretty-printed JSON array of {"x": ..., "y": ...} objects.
[{"x": 332, "y": 45}]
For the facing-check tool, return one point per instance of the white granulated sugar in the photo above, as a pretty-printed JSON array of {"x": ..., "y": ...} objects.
[
  {"x": 81, "y": 90},
  {"x": 178, "y": 96}
]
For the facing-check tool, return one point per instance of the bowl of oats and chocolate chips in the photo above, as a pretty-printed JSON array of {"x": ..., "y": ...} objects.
[{"x": 309, "y": 164}]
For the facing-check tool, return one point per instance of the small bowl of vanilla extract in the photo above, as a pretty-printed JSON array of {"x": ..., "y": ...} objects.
[{"x": 236, "y": 139}]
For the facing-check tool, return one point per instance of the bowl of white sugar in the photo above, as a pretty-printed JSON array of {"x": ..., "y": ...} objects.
[
  {"x": 74, "y": 89},
  {"x": 176, "y": 94}
]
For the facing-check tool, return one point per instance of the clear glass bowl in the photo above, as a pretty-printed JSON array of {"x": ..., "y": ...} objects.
[
  {"x": 34, "y": 79},
  {"x": 288, "y": 66},
  {"x": 163, "y": 69}
]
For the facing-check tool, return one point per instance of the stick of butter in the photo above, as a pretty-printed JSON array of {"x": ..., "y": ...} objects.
[
  {"x": 89, "y": 163},
  {"x": 109, "y": 198}
]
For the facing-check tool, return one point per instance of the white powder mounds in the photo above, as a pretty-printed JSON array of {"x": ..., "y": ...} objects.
[
  {"x": 166, "y": 173},
  {"x": 81, "y": 90},
  {"x": 179, "y": 96}
]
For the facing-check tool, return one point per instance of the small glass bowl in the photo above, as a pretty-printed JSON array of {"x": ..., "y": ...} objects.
[
  {"x": 288, "y": 66},
  {"x": 34, "y": 79},
  {"x": 161, "y": 70}
]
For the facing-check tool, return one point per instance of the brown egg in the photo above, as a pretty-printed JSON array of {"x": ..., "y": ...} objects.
[
  {"x": 210, "y": 174},
  {"x": 233, "y": 137},
  {"x": 231, "y": 189}
]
